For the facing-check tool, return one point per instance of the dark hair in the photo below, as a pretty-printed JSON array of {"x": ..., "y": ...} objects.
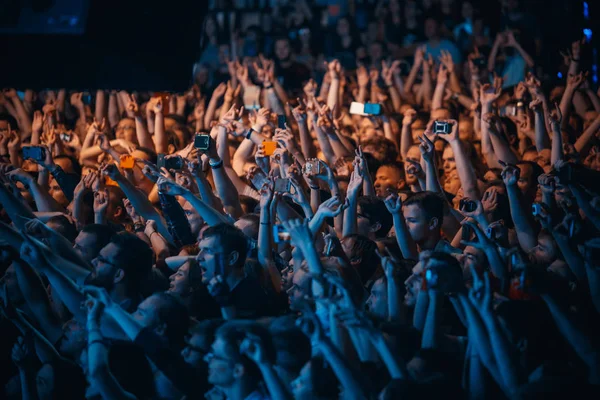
[
  {"x": 130, "y": 367},
  {"x": 398, "y": 166},
  {"x": 231, "y": 238},
  {"x": 207, "y": 328},
  {"x": 249, "y": 203},
  {"x": 102, "y": 234},
  {"x": 14, "y": 125},
  {"x": 135, "y": 258},
  {"x": 363, "y": 248},
  {"x": 64, "y": 227},
  {"x": 234, "y": 332},
  {"x": 292, "y": 347},
  {"x": 388, "y": 147},
  {"x": 173, "y": 313},
  {"x": 375, "y": 210},
  {"x": 74, "y": 162},
  {"x": 69, "y": 380},
  {"x": 149, "y": 152},
  {"x": 430, "y": 203},
  {"x": 254, "y": 219},
  {"x": 537, "y": 170}
]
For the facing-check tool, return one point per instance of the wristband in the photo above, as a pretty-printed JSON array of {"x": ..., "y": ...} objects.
[
  {"x": 216, "y": 165},
  {"x": 249, "y": 134},
  {"x": 575, "y": 59},
  {"x": 268, "y": 87},
  {"x": 315, "y": 187},
  {"x": 139, "y": 227},
  {"x": 101, "y": 341},
  {"x": 265, "y": 223}
]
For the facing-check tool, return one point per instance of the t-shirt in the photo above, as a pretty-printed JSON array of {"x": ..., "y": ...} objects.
[{"x": 447, "y": 45}]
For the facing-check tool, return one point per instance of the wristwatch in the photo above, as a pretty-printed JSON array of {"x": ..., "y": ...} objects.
[{"x": 216, "y": 165}]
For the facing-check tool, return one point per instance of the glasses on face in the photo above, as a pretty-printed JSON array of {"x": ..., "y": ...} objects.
[{"x": 212, "y": 356}]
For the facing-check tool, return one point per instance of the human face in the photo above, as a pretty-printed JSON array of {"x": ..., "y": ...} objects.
[
  {"x": 85, "y": 246},
  {"x": 74, "y": 336},
  {"x": 302, "y": 385},
  {"x": 413, "y": 285},
  {"x": 12, "y": 286},
  {"x": 387, "y": 180},
  {"x": 298, "y": 289},
  {"x": 195, "y": 350},
  {"x": 179, "y": 281},
  {"x": 220, "y": 366},
  {"x": 287, "y": 277},
  {"x": 210, "y": 258},
  {"x": 472, "y": 258},
  {"x": 57, "y": 193},
  {"x": 449, "y": 163},
  {"x": 377, "y": 302},
  {"x": 363, "y": 223},
  {"x": 126, "y": 130},
  {"x": 418, "y": 225},
  {"x": 4, "y": 128},
  {"x": 545, "y": 252},
  {"x": 44, "y": 382},
  {"x": 282, "y": 50},
  {"x": 147, "y": 314},
  {"x": 105, "y": 267},
  {"x": 465, "y": 130}
]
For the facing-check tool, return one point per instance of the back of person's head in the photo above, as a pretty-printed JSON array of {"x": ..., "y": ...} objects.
[
  {"x": 69, "y": 380},
  {"x": 248, "y": 203},
  {"x": 362, "y": 255},
  {"x": 249, "y": 224},
  {"x": 102, "y": 234},
  {"x": 388, "y": 150},
  {"x": 76, "y": 167},
  {"x": 130, "y": 367},
  {"x": 134, "y": 257},
  {"x": 152, "y": 157},
  {"x": 233, "y": 333},
  {"x": 10, "y": 120},
  {"x": 231, "y": 238},
  {"x": 325, "y": 384},
  {"x": 173, "y": 313},
  {"x": 207, "y": 329},
  {"x": 375, "y": 210},
  {"x": 293, "y": 348},
  {"x": 431, "y": 204},
  {"x": 62, "y": 225}
]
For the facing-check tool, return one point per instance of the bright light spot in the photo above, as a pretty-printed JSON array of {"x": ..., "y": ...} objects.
[
  {"x": 559, "y": 75},
  {"x": 588, "y": 34}
]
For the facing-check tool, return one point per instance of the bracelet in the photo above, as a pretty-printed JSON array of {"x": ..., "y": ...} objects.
[
  {"x": 216, "y": 165},
  {"x": 265, "y": 223},
  {"x": 139, "y": 227},
  {"x": 315, "y": 187},
  {"x": 268, "y": 87},
  {"x": 249, "y": 134},
  {"x": 575, "y": 59}
]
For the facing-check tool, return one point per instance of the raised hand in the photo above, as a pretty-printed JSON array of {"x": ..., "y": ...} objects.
[
  {"x": 38, "y": 122},
  {"x": 356, "y": 182},
  {"x": 335, "y": 69},
  {"x": 427, "y": 148},
  {"x": 393, "y": 203},
  {"x": 310, "y": 88},
  {"x": 231, "y": 93},
  {"x": 23, "y": 355},
  {"x": 309, "y": 325},
  {"x": 220, "y": 90},
  {"x": 253, "y": 348},
  {"x": 299, "y": 112},
  {"x": 480, "y": 294},
  {"x": 111, "y": 171},
  {"x": 362, "y": 76},
  {"x": 488, "y": 93},
  {"x": 99, "y": 295},
  {"x": 233, "y": 114},
  {"x": 410, "y": 116},
  {"x": 510, "y": 174},
  {"x": 446, "y": 60},
  {"x": 536, "y": 105},
  {"x": 547, "y": 183},
  {"x": 101, "y": 201},
  {"x": 132, "y": 105},
  {"x": 574, "y": 81},
  {"x": 332, "y": 207},
  {"x": 520, "y": 90},
  {"x": 555, "y": 118},
  {"x": 299, "y": 231},
  {"x": 168, "y": 186},
  {"x": 77, "y": 100}
]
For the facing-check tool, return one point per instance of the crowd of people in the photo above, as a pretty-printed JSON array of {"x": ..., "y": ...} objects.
[{"x": 423, "y": 221}]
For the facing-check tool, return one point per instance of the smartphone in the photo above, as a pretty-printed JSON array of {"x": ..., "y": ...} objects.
[
  {"x": 270, "y": 147},
  {"x": 202, "y": 141},
  {"x": 283, "y": 185},
  {"x": 126, "y": 161},
  {"x": 175, "y": 162},
  {"x": 365, "y": 109},
  {"x": 65, "y": 137},
  {"x": 441, "y": 128},
  {"x": 280, "y": 235},
  {"x": 480, "y": 62},
  {"x": 312, "y": 168},
  {"x": 86, "y": 98},
  {"x": 37, "y": 153},
  {"x": 468, "y": 205},
  {"x": 281, "y": 121}
]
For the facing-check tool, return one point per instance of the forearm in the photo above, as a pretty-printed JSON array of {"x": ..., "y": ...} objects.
[
  {"x": 466, "y": 172},
  {"x": 209, "y": 215},
  {"x": 242, "y": 156},
  {"x": 28, "y": 384},
  {"x": 348, "y": 379},
  {"x": 160, "y": 136},
  {"x": 276, "y": 388},
  {"x": 572, "y": 256},
  {"x": 326, "y": 147},
  {"x": 407, "y": 245},
  {"x": 528, "y": 60},
  {"x": 412, "y": 76},
  {"x": 504, "y": 353},
  {"x": 362, "y": 94},
  {"x": 492, "y": 57},
  {"x": 265, "y": 243},
  {"x": 206, "y": 193},
  {"x": 100, "y": 111},
  {"x": 431, "y": 330},
  {"x": 350, "y": 215},
  {"x": 542, "y": 141},
  {"x": 582, "y": 143},
  {"x": 23, "y": 116},
  {"x": 227, "y": 191},
  {"x": 274, "y": 102},
  {"x": 406, "y": 140},
  {"x": 502, "y": 149},
  {"x": 143, "y": 136},
  {"x": 432, "y": 182},
  {"x": 525, "y": 232},
  {"x": 420, "y": 312},
  {"x": 565, "y": 105},
  {"x": 396, "y": 99},
  {"x": 306, "y": 143},
  {"x": 438, "y": 96},
  {"x": 332, "y": 95},
  {"x": 557, "y": 147}
]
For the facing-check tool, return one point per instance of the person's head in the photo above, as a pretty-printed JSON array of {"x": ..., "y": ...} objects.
[
  {"x": 91, "y": 239},
  {"x": 292, "y": 348},
  {"x": 227, "y": 366},
  {"x": 62, "y": 225},
  {"x": 193, "y": 217},
  {"x": 283, "y": 49},
  {"x": 374, "y": 220},
  {"x": 376, "y": 51},
  {"x": 126, "y": 130},
  {"x": 126, "y": 261},
  {"x": 361, "y": 251},
  {"x": 382, "y": 149},
  {"x": 449, "y": 163},
  {"x": 414, "y": 154},
  {"x": 201, "y": 336},
  {"x": 473, "y": 258},
  {"x": 316, "y": 381},
  {"x": 301, "y": 287},
  {"x": 5, "y": 121},
  {"x": 13, "y": 290},
  {"x": 140, "y": 180},
  {"x": 389, "y": 179},
  {"x": 546, "y": 251},
  {"x": 222, "y": 251},
  {"x": 60, "y": 379},
  {"x": 528, "y": 178},
  {"x": 115, "y": 212},
  {"x": 249, "y": 225},
  {"x": 431, "y": 28},
  {"x": 73, "y": 339},
  {"x": 424, "y": 214},
  {"x": 166, "y": 315},
  {"x": 186, "y": 280},
  {"x": 377, "y": 303}
]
